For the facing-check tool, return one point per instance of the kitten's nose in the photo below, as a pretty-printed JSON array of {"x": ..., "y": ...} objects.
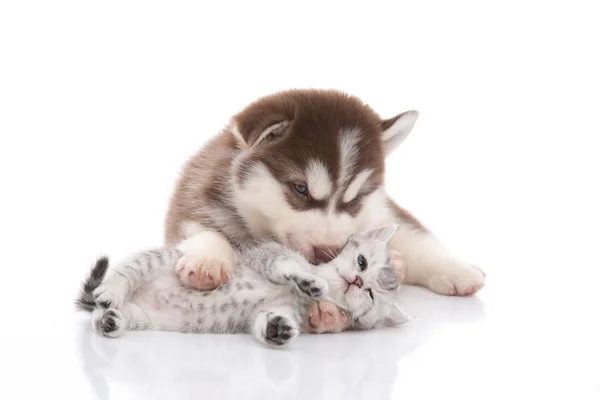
[
  {"x": 325, "y": 254},
  {"x": 358, "y": 281}
]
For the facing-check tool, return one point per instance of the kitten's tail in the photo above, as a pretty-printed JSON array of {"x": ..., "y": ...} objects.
[{"x": 86, "y": 300}]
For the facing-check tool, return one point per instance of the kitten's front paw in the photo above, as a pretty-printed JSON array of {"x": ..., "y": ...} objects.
[
  {"x": 326, "y": 317},
  {"x": 204, "y": 272},
  {"x": 312, "y": 286},
  {"x": 279, "y": 330},
  {"x": 457, "y": 279}
]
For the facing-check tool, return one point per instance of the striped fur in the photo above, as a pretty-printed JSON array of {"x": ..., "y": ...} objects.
[{"x": 269, "y": 294}]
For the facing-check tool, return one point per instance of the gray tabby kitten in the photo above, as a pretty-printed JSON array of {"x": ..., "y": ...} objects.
[{"x": 269, "y": 294}]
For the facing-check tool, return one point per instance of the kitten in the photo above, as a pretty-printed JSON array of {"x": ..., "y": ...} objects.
[{"x": 271, "y": 294}]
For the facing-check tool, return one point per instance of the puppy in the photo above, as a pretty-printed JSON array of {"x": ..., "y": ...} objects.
[{"x": 306, "y": 168}]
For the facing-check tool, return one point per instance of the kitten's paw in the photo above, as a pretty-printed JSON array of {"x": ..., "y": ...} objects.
[
  {"x": 279, "y": 330},
  {"x": 397, "y": 261},
  {"x": 276, "y": 326},
  {"x": 326, "y": 317},
  {"x": 312, "y": 286},
  {"x": 109, "y": 322},
  {"x": 457, "y": 279},
  {"x": 111, "y": 293},
  {"x": 202, "y": 272}
]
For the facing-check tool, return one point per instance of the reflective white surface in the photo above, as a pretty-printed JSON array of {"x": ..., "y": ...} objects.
[{"x": 454, "y": 348}]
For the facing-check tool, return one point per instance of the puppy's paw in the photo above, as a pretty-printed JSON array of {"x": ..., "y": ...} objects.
[
  {"x": 204, "y": 272},
  {"x": 457, "y": 279},
  {"x": 206, "y": 262}
]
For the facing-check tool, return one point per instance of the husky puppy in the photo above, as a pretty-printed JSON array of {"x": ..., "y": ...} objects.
[{"x": 305, "y": 168}]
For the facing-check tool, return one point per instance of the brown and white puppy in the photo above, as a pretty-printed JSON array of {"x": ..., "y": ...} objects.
[{"x": 305, "y": 167}]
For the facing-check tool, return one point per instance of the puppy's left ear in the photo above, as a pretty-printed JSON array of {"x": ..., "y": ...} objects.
[{"x": 396, "y": 129}]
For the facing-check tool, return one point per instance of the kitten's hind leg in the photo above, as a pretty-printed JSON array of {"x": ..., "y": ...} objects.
[
  {"x": 133, "y": 273},
  {"x": 113, "y": 292},
  {"x": 112, "y": 322},
  {"x": 276, "y": 325},
  {"x": 108, "y": 322}
]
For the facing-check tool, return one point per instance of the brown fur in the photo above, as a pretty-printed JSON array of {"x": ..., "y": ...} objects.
[
  {"x": 315, "y": 119},
  {"x": 405, "y": 216}
]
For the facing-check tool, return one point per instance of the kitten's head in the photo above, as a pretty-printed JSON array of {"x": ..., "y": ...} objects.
[{"x": 363, "y": 282}]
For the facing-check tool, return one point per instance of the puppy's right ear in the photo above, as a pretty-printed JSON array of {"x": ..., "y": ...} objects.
[
  {"x": 252, "y": 135},
  {"x": 396, "y": 129}
]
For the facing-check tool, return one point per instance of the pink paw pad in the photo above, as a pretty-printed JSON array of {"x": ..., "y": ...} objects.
[
  {"x": 203, "y": 274},
  {"x": 324, "y": 317}
]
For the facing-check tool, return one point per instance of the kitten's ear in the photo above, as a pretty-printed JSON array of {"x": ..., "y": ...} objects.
[
  {"x": 396, "y": 317},
  {"x": 383, "y": 234},
  {"x": 249, "y": 135},
  {"x": 396, "y": 129}
]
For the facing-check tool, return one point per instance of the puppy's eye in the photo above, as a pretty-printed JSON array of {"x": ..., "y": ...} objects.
[
  {"x": 301, "y": 189},
  {"x": 370, "y": 293},
  {"x": 362, "y": 262}
]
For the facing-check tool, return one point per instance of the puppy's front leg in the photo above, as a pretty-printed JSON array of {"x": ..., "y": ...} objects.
[
  {"x": 207, "y": 260},
  {"x": 428, "y": 263}
]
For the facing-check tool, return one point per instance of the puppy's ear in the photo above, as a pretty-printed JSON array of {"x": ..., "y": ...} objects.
[
  {"x": 249, "y": 135},
  {"x": 396, "y": 129}
]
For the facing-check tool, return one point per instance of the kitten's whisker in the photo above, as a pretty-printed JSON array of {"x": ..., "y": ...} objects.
[{"x": 330, "y": 253}]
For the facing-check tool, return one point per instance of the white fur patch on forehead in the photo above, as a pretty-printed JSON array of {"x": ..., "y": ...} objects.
[
  {"x": 318, "y": 179},
  {"x": 348, "y": 153},
  {"x": 357, "y": 184}
]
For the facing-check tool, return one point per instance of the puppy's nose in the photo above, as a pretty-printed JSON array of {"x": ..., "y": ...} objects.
[
  {"x": 325, "y": 254},
  {"x": 358, "y": 281}
]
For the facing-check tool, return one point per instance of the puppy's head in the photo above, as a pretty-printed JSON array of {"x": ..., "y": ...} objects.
[{"x": 311, "y": 169}]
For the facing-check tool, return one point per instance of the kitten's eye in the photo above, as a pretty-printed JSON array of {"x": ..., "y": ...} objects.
[
  {"x": 362, "y": 262},
  {"x": 370, "y": 293}
]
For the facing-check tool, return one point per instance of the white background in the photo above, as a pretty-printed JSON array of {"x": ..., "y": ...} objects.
[{"x": 102, "y": 102}]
